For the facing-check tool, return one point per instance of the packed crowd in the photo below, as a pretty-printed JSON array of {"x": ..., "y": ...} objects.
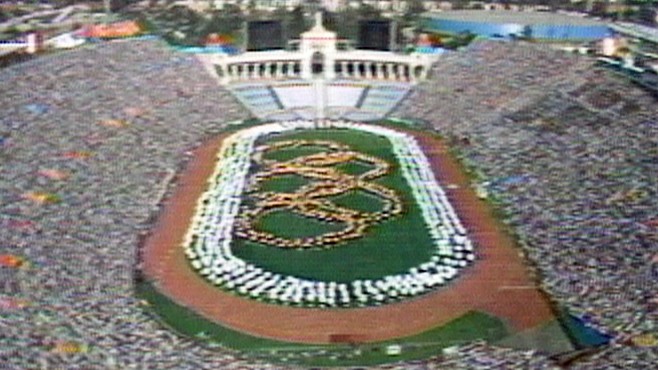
[
  {"x": 570, "y": 153},
  {"x": 100, "y": 130}
]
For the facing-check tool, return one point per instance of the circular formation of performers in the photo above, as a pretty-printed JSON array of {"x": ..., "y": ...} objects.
[{"x": 313, "y": 199}]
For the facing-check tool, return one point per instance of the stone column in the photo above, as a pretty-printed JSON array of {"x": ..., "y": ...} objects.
[
  {"x": 291, "y": 69},
  {"x": 245, "y": 71},
  {"x": 305, "y": 66},
  {"x": 389, "y": 71},
  {"x": 380, "y": 71},
  {"x": 412, "y": 76},
  {"x": 329, "y": 68},
  {"x": 267, "y": 73},
  {"x": 279, "y": 70},
  {"x": 236, "y": 73},
  {"x": 368, "y": 69},
  {"x": 343, "y": 69},
  {"x": 399, "y": 71}
]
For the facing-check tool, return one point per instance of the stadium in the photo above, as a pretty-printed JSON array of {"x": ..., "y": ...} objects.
[
  {"x": 545, "y": 26},
  {"x": 326, "y": 208}
]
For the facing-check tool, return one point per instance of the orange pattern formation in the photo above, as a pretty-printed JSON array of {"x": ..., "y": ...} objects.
[{"x": 311, "y": 200}]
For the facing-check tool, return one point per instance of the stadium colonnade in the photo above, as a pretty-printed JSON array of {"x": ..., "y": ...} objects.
[{"x": 318, "y": 56}]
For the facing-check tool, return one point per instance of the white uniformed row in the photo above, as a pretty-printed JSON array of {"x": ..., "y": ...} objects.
[{"x": 208, "y": 241}]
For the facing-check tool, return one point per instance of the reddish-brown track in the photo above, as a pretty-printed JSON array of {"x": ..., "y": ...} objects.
[{"x": 497, "y": 283}]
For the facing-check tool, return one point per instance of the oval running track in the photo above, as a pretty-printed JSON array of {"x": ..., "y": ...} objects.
[{"x": 497, "y": 283}]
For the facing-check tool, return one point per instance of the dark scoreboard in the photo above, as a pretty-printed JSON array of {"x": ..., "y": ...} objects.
[
  {"x": 265, "y": 35},
  {"x": 375, "y": 35}
]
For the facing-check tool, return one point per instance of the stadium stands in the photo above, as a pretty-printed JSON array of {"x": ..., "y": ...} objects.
[
  {"x": 381, "y": 98},
  {"x": 344, "y": 93},
  {"x": 297, "y": 94},
  {"x": 290, "y": 99},
  {"x": 575, "y": 139},
  {"x": 259, "y": 98},
  {"x": 579, "y": 143}
]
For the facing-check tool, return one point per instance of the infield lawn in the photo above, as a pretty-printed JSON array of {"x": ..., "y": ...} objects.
[
  {"x": 470, "y": 327},
  {"x": 390, "y": 247}
]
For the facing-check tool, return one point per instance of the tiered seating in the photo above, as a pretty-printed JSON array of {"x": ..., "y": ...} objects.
[
  {"x": 283, "y": 116},
  {"x": 260, "y": 99},
  {"x": 306, "y": 113},
  {"x": 359, "y": 115},
  {"x": 342, "y": 99},
  {"x": 296, "y": 94},
  {"x": 344, "y": 94},
  {"x": 382, "y": 98}
]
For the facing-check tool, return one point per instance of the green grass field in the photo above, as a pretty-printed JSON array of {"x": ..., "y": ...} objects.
[
  {"x": 359, "y": 200},
  {"x": 287, "y": 154},
  {"x": 470, "y": 327},
  {"x": 283, "y": 183},
  {"x": 296, "y": 226},
  {"x": 390, "y": 247}
]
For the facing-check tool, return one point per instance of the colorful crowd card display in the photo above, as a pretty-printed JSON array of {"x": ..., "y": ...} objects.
[
  {"x": 41, "y": 197},
  {"x": 54, "y": 174},
  {"x": 117, "y": 123},
  {"x": 77, "y": 154},
  {"x": 10, "y": 260},
  {"x": 13, "y": 304}
]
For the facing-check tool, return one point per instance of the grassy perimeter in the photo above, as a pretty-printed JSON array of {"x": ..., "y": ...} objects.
[{"x": 470, "y": 327}]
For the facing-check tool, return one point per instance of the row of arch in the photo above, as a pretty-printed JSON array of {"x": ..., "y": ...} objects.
[
  {"x": 377, "y": 70},
  {"x": 264, "y": 70},
  {"x": 353, "y": 69}
]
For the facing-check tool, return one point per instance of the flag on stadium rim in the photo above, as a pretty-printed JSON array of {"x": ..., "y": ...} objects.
[
  {"x": 41, "y": 197},
  {"x": 645, "y": 340},
  {"x": 112, "y": 30},
  {"x": 10, "y": 260},
  {"x": 134, "y": 111},
  {"x": 114, "y": 123},
  {"x": 8, "y": 303},
  {"x": 37, "y": 108},
  {"x": 54, "y": 174},
  {"x": 20, "y": 224},
  {"x": 77, "y": 154},
  {"x": 69, "y": 346},
  {"x": 652, "y": 223}
]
